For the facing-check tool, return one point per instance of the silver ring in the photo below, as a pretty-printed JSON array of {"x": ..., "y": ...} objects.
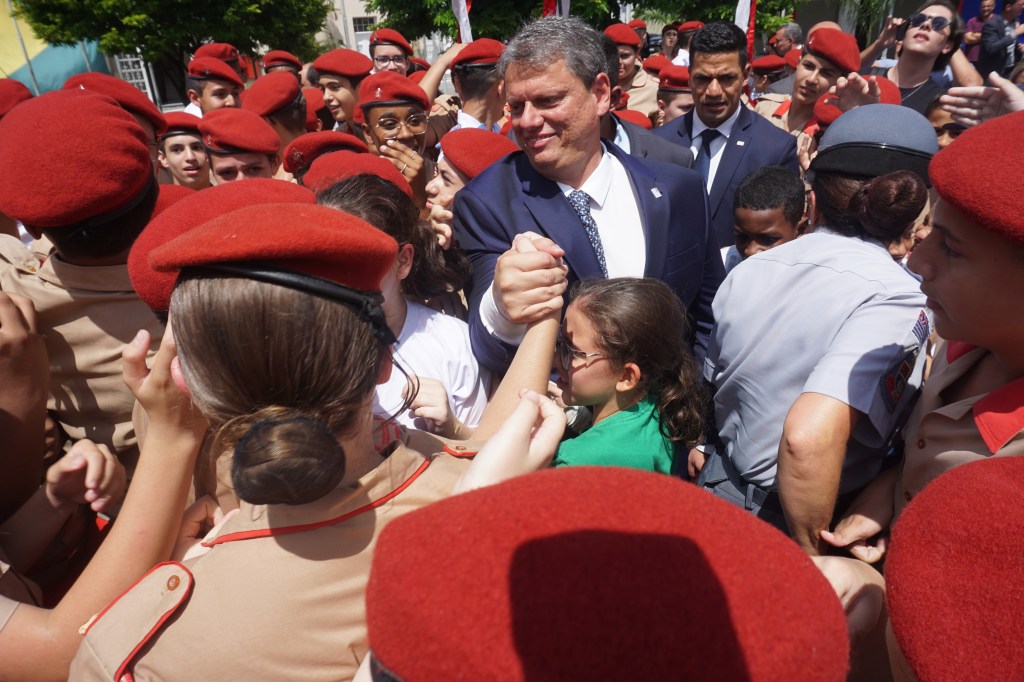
[{"x": 403, "y": 168}]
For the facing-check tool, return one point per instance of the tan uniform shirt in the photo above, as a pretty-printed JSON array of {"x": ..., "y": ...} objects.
[
  {"x": 14, "y": 590},
  {"x": 279, "y": 596},
  {"x": 643, "y": 93},
  {"x": 942, "y": 435},
  {"x": 775, "y": 108},
  {"x": 86, "y": 315}
]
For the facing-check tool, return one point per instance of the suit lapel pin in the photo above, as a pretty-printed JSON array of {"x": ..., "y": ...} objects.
[
  {"x": 740, "y": 143},
  {"x": 655, "y": 192}
]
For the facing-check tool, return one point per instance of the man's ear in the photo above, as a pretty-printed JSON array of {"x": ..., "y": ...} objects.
[
  {"x": 193, "y": 96},
  {"x": 629, "y": 377},
  {"x": 162, "y": 160},
  {"x": 801, "y": 227},
  {"x": 602, "y": 91}
]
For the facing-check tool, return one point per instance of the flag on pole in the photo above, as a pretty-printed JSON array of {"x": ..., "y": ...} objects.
[
  {"x": 746, "y": 18},
  {"x": 558, "y": 8},
  {"x": 461, "y": 9}
]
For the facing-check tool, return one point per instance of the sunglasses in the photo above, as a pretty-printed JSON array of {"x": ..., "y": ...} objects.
[
  {"x": 566, "y": 353},
  {"x": 937, "y": 23}
]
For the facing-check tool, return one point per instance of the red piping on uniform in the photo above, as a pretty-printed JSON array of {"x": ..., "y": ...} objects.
[{"x": 271, "y": 532}]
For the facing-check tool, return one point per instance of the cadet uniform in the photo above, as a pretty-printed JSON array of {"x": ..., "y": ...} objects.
[{"x": 14, "y": 590}]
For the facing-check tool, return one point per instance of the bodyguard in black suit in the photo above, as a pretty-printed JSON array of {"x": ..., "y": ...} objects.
[{"x": 729, "y": 140}]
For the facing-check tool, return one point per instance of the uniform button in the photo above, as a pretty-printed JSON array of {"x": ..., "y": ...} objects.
[
  {"x": 30, "y": 268},
  {"x": 907, "y": 496},
  {"x": 460, "y": 447},
  {"x": 173, "y": 582},
  {"x": 921, "y": 444}
]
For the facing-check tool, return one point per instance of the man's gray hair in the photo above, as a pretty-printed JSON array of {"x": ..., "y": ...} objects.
[
  {"x": 793, "y": 30},
  {"x": 543, "y": 42}
]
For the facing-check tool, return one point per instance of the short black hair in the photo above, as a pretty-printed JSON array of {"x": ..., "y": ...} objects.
[
  {"x": 772, "y": 187},
  {"x": 292, "y": 116},
  {"x": 475, "y": 81},
  {"x": 611, "y": 53},
  {"x": 720, "y": 37}
]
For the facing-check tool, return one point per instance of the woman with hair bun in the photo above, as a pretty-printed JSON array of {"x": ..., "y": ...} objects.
[
  {"x": 814, "y": 356},
  {"x": 281, "y": 342}
]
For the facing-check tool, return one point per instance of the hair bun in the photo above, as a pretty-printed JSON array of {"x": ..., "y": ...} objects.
[{"x": 888, "y": 205}]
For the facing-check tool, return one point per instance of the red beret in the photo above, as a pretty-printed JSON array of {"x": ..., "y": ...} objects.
[
  {"x": 12, "y": 92},
  {"x": 793, "y": 57},
  {"x": 280, "y": 58},
  {"x": 168, "y": 196},
  {"x": 638, "y": 23},
  {"x": 953, "y": 572},
  {"x": 419, "y": 63},
  {"x": 635, "y": 117},
  {"x": 768, "y": 64},
  {"x": 314, "y": 103},
  {"x": 92, "y": 160},
  {"x": 825, "y": 109},
  {"x": 390, "y": 36},
  {"x": 889, "y": 91},
  {"x": 208, "y": 68},
  {"x": 417, "y": 76},
  {"x": 334, "y": 167},
  {"x": 836, "y": 46},
  {"x": 221, "y": 51},
  {"x": 621, "y": 34},
  {"x": 345, "y": 63},
  {"x": 655, "y": 63},
  {"x": 598, "y": 573},
  {"x": 271, "y": 93},
  {"x": 180, "y": 123},
  {"x": 675, "y": 79},
  {"x": 390, "y": 87},
  {"x": 481, "y": 52},
  {"x": 238, "y": 131},
  {"x": 471, "y": 150},
  {"x": 335, "y": 246},
  {"x": 964, "y": 175},
  {"x": 304, "y": 149},
  {"x": 131, "y": 99},
  {"x": 687, "y": 26},
  {"x": 195, "y": 209}
]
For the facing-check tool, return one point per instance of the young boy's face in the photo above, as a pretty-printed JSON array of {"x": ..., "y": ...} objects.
[
  {"x": 756, "y": 231},
  {"x": 946, "y": 129}
]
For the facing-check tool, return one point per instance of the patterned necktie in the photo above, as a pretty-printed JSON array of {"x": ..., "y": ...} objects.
[
  {"x": 580, "y": 202},
  {"x": 703, "y": 163}
]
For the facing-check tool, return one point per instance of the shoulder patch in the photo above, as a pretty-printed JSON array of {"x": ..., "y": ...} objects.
[
  {"x": 894, "y": 382},
  {"x": 922, "y": 328}
]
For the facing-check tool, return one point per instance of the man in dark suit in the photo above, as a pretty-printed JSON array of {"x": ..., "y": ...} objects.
[
  {"x": 607, "y": 213},
  {"x": 728, "y": 140}
]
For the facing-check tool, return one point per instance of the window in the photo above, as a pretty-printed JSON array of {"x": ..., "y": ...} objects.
[{"x": 360, "y": 24}]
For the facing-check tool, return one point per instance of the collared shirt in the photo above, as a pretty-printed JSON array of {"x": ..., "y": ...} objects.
[
  {"x": 717, "y": 145},
  {"x": 617, "y": 215},
  {"x": 193, "y": 108},
  {"x": 621, "y": 138},
  {"x": 464, "y": 120},
  {"x": 682, "y": 58},
  {"x": 943, "y": 434}
]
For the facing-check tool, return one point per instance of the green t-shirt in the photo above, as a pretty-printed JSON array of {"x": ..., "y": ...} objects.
[{"x": 631, "y": 438}]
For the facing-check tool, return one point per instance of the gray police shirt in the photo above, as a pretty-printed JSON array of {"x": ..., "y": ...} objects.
[{"x": 822, "y": 314}]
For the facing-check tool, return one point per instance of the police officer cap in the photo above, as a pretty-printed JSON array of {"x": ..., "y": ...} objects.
[{"x": 876, "y": 139}]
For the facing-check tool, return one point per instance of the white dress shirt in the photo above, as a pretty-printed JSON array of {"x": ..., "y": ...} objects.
[{"x": 717, "y": 145}]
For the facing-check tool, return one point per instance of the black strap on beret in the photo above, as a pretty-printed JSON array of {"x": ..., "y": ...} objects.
[
  {"x": 366, "y": 304},
  {"x": 104, "y": 218}
]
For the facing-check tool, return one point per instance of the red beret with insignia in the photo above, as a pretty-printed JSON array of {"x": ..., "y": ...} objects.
[
  {"x": 195, "y": 209},
  {"x": 471, "y": 150},
  {"x": 180, "y": 123},
  {"x": 836, "y": 46},
  {"x": 953, "y": 571},
  {"x": 568, "y": 574},
  {"x": 768, "y": 64},
  {"x": 675, "y": 79},
  {"x": 962, "y": 174},
  {"x": 419, "y": 63},
  {"x": 390, "y": 87},
  {"x": 334, "y": 167},
  {"x": 638, "y": 23},
  {"x": 127, "y": 95},
  {"x": 238, "y": 131},
  {"x": 12, "y": 92},
  {"x": 687, "y": 26},
  {"x": 655, "y": 63},
  {"x": 793, "y": 57},
  {"x": 208, "y": 68},
  {"x": 280, "y": 58},
  {"x": 620, "y": 34},
  {"x": 221, "y": 51},
  {"x": 385, "y": 36},
  {"x": 305, "y": 149},
  {"x": 635, "y": 117},
  {"x": 342, "y": 62},
  {"x": 335, "y": 246},
  {"x": 93, "y": 159},
  {"x": 271, "y": 93},
  {"x": 314, "y": 103},
  {"x": 480, "y": 52}
]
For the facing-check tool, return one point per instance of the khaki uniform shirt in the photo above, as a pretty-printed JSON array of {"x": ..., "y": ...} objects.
[
  {"x": 775, "y": 108},
  {"x": 942, "y": 435},
  {"x": 86, "y": 315},
  {"x": 14, "y": 590},
  {"x": 279, "y": 596},
  {"x": 643, "y": 93}
]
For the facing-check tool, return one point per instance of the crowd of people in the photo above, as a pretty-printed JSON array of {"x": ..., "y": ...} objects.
[{"x": 614, "y": 363}]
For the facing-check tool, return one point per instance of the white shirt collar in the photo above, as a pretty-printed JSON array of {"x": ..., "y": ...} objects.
[
  {"x": 725, "y": 129},
  {"x": 599, "y": 184}
]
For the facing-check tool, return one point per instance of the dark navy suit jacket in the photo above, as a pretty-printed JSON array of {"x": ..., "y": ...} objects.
[
  {"x": 512, "y": 197},
  {"x": 754, "y": 143}
]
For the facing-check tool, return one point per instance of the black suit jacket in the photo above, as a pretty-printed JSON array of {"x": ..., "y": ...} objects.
[
  {"x": 644, "y": 144},
  {"x": 754, "y": 143},
  {"x": 511, "y": 197}
]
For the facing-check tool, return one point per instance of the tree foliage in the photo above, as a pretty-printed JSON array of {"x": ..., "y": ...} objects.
[{"x": 771, "y": 14}]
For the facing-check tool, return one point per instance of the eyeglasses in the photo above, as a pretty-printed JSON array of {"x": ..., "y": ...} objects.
[
  {"x": 566, "y": 353},
  {"x": 384, "y": 60},
  {"x": 415, "y": 124},
  {"x": 936, "y": 23}
]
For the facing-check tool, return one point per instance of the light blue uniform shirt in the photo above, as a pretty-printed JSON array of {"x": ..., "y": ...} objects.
[{"x": 821, "y": 314}]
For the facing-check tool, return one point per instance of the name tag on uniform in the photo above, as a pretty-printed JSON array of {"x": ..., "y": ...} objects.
[{"x": 655, "y": 192}]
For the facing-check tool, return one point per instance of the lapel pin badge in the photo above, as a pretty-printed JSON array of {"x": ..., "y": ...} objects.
[
  {"x": 655, "y": 192},
  {"x": 740, "y": 143}
]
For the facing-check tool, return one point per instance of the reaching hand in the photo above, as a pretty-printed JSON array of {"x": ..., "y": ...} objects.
[
  {"x": 431, "y": 402},
  {"x": 860, "y": 589},
  {"x": 977, "y": 104},
  {"x": 853, "y": 532},
  {"x": 88, "y": 474},
  {"x": 529, "y": 279},
  {"x": 854, "y": 90},
  {"x": 887, "y": 38},
  {"x": 157, "y": 389},
  {"x": 202, "y": 519},
  {"x": 441, "y": 222}
]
